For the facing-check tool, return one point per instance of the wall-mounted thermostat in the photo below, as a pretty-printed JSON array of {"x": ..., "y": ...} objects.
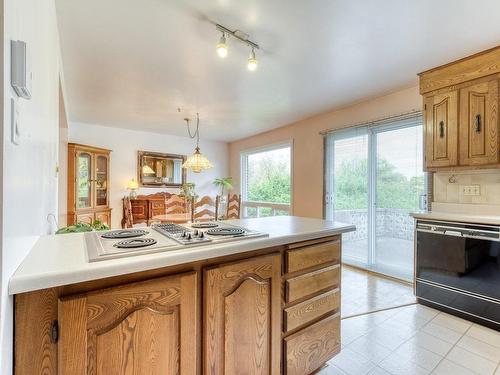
[{"x": 20, "y": 73}]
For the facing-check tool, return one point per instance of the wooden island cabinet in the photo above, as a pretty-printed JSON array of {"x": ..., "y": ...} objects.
[{"x": 269, "y": 311}]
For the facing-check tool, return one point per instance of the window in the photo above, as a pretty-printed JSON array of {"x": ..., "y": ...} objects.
[
  {"x": 374, "y": 178},
  {"x": 266, "y": 183}
]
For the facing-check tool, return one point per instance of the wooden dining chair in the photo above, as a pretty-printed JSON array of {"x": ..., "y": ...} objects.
[
  {"x": 204, "y": 209},
  {"x": 127, "y": 220},
  {"x": 175, "y": 204},
  {"x": 233, "y": 206}
]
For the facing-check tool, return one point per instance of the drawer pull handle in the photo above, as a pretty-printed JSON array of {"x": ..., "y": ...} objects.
[
  {"x": 477, "y": 124},
  {"x": 441, "y": 129}
]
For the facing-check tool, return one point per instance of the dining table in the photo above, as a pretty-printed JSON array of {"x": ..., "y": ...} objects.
[{"x": 173, "y": 218}]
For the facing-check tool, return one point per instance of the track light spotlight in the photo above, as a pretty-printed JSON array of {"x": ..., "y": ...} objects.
[
  {"x": 252, "y": 61},
  {"x": 222, "y": 47}
]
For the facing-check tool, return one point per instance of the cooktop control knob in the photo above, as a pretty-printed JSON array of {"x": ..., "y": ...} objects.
[
  {"x": 188, "y": 237},
  {"x": 195, "y": 233},
  {"x": 201, "y": 234}
]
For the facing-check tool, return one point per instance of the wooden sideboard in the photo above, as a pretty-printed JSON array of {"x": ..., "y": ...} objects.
[
  {"x": 144, "y": 207},
  {"x": 461, "y": 122},
  {"x": 88, "y": 184}
]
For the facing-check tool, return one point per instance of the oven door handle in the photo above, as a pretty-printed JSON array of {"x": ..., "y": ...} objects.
[{"x": 453, "y": 233}]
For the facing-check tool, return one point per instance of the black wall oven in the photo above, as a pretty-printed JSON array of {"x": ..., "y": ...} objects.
[{"x": 458, "y": 269}]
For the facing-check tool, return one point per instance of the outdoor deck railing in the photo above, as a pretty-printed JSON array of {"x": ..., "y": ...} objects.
[{"x": 263, "y": 209}]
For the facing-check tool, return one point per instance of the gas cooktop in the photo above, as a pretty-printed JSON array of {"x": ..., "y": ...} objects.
[{"x": 161, "y": 237}]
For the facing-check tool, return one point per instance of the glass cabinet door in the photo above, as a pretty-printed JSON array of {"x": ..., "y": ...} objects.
[
  {"x": 101, "y": 180},
  {"x": 83, "y": 180}
]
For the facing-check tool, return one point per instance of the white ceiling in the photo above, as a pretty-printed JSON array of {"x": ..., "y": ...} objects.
[{"x": 132, "y": 63}]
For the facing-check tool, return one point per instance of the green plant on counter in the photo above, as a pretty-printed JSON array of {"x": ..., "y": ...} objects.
[
  {"x": 97, "y": 225},
  {"x": 187, "y": 191},
  {"x": 224, "y": 183}
]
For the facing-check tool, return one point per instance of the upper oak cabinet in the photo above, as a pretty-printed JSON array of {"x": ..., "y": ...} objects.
[
  {"x": 479, "y": 123},
  {"x": 441, "y": 129},
  {"x": 242, "y": 317},
  {"x": 88, "y": 184},
  {"x": 148, "y": 327},
  {"x": 461, "y": 113}
]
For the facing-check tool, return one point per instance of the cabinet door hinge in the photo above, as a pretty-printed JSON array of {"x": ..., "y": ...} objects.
[
  {"x": 425, "y": 107},
  {"x": 54, "y": 332}
]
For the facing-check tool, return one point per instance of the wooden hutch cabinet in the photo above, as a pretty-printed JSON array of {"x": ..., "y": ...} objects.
[
  {"x": 461, "y": 125},
  {"x": 88, "y": 184}
]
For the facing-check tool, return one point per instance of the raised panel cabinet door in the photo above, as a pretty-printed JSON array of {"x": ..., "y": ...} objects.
[
  {"x": 242, "y": 317},
  {"x": 479, "y": 123},
  {"x": 85, "y": 218},
  {"x": 441, "y": 130},
  {"x": 104, "y": 217},
  {"x": 148, "y": 327}
]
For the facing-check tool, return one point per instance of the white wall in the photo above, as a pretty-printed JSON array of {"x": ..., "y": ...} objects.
[
  {"x": 125, "y": 144},
  {"x": 29, "y": 169}
]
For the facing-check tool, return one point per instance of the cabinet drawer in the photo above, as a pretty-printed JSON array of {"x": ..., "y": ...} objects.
[
  {"x": 309, "y": 349},
  {"x": 311, "y": 309},
  {"x": 313, "y": 282},
  {"x": 310, "y": 256},
  {"x": 157, "y": 205}
]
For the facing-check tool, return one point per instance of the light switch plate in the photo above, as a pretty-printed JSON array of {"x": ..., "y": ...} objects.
[
  {"x": 15, "y": 131},
  {"x": 471, "y": 190}
]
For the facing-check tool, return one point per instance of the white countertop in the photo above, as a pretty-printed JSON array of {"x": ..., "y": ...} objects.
[
  {"x": 58, "y": 260},
  {"x": 459, "y": 217}
]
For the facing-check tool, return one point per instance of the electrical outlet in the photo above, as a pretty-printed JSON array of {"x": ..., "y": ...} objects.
[{"x": 471, "y": 190}]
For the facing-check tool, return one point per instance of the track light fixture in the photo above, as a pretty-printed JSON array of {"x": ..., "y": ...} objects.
[{"x": 240, "y": 36}]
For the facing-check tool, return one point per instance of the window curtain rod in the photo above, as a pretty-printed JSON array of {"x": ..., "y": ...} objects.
[{"x": 374, "y": 123}]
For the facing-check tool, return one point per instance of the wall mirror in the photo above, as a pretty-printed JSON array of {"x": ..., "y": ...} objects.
[{"x": 155, "y": 169}]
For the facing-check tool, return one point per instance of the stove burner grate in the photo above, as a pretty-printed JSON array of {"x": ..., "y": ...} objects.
[
  {"x": 135, "y": 243},
  {"x": 225, "y": 232},
  {"x": 204, "y": 225},
  {"x": 126, "y": 233}
]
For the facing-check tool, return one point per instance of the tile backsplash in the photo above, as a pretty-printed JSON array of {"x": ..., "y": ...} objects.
[{"x": 452, "y": 187}]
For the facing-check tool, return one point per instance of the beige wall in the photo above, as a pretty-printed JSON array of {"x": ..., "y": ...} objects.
[
  {"x": 308, "y": 144},
  {"x": 451, "y": 190}
]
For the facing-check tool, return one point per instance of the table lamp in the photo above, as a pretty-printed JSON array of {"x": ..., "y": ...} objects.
[{"x": 133, "y": 186}]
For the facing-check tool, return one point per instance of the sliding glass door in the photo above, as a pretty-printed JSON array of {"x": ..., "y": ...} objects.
[{"x": 374, "y": 178}]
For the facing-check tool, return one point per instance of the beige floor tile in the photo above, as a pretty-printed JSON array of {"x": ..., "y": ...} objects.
[
  {"x": 370, "y": 349},
  {"x": 385, "y": 338},
  {"x": 378, "y": 371},
  {"x": 331, "y": 370},
  {"x": 487, "y": 335},
  {"x": 471, "y": 361},
  {"x": 397, "y": 365},
  {"x": 447, "y": 367},
  {"x": 480, "y": 348},
  {"x": 452, "y": 322},
  {"x": 352, "y": 363},
  {"x": 442, "y": 333},
  {"x": 363, "y": 292},
  {"x": 434, "y": 344},
  {"x": 418, "y": 355}
]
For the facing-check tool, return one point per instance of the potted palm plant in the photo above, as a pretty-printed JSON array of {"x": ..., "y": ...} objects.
[{"x": 224, "y": 184}]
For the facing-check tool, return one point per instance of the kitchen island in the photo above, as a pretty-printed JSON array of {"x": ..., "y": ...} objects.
[{"x": 254, "y": 306}]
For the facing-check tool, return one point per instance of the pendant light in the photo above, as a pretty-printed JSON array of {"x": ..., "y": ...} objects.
[{"x": 196, "y": 162}]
